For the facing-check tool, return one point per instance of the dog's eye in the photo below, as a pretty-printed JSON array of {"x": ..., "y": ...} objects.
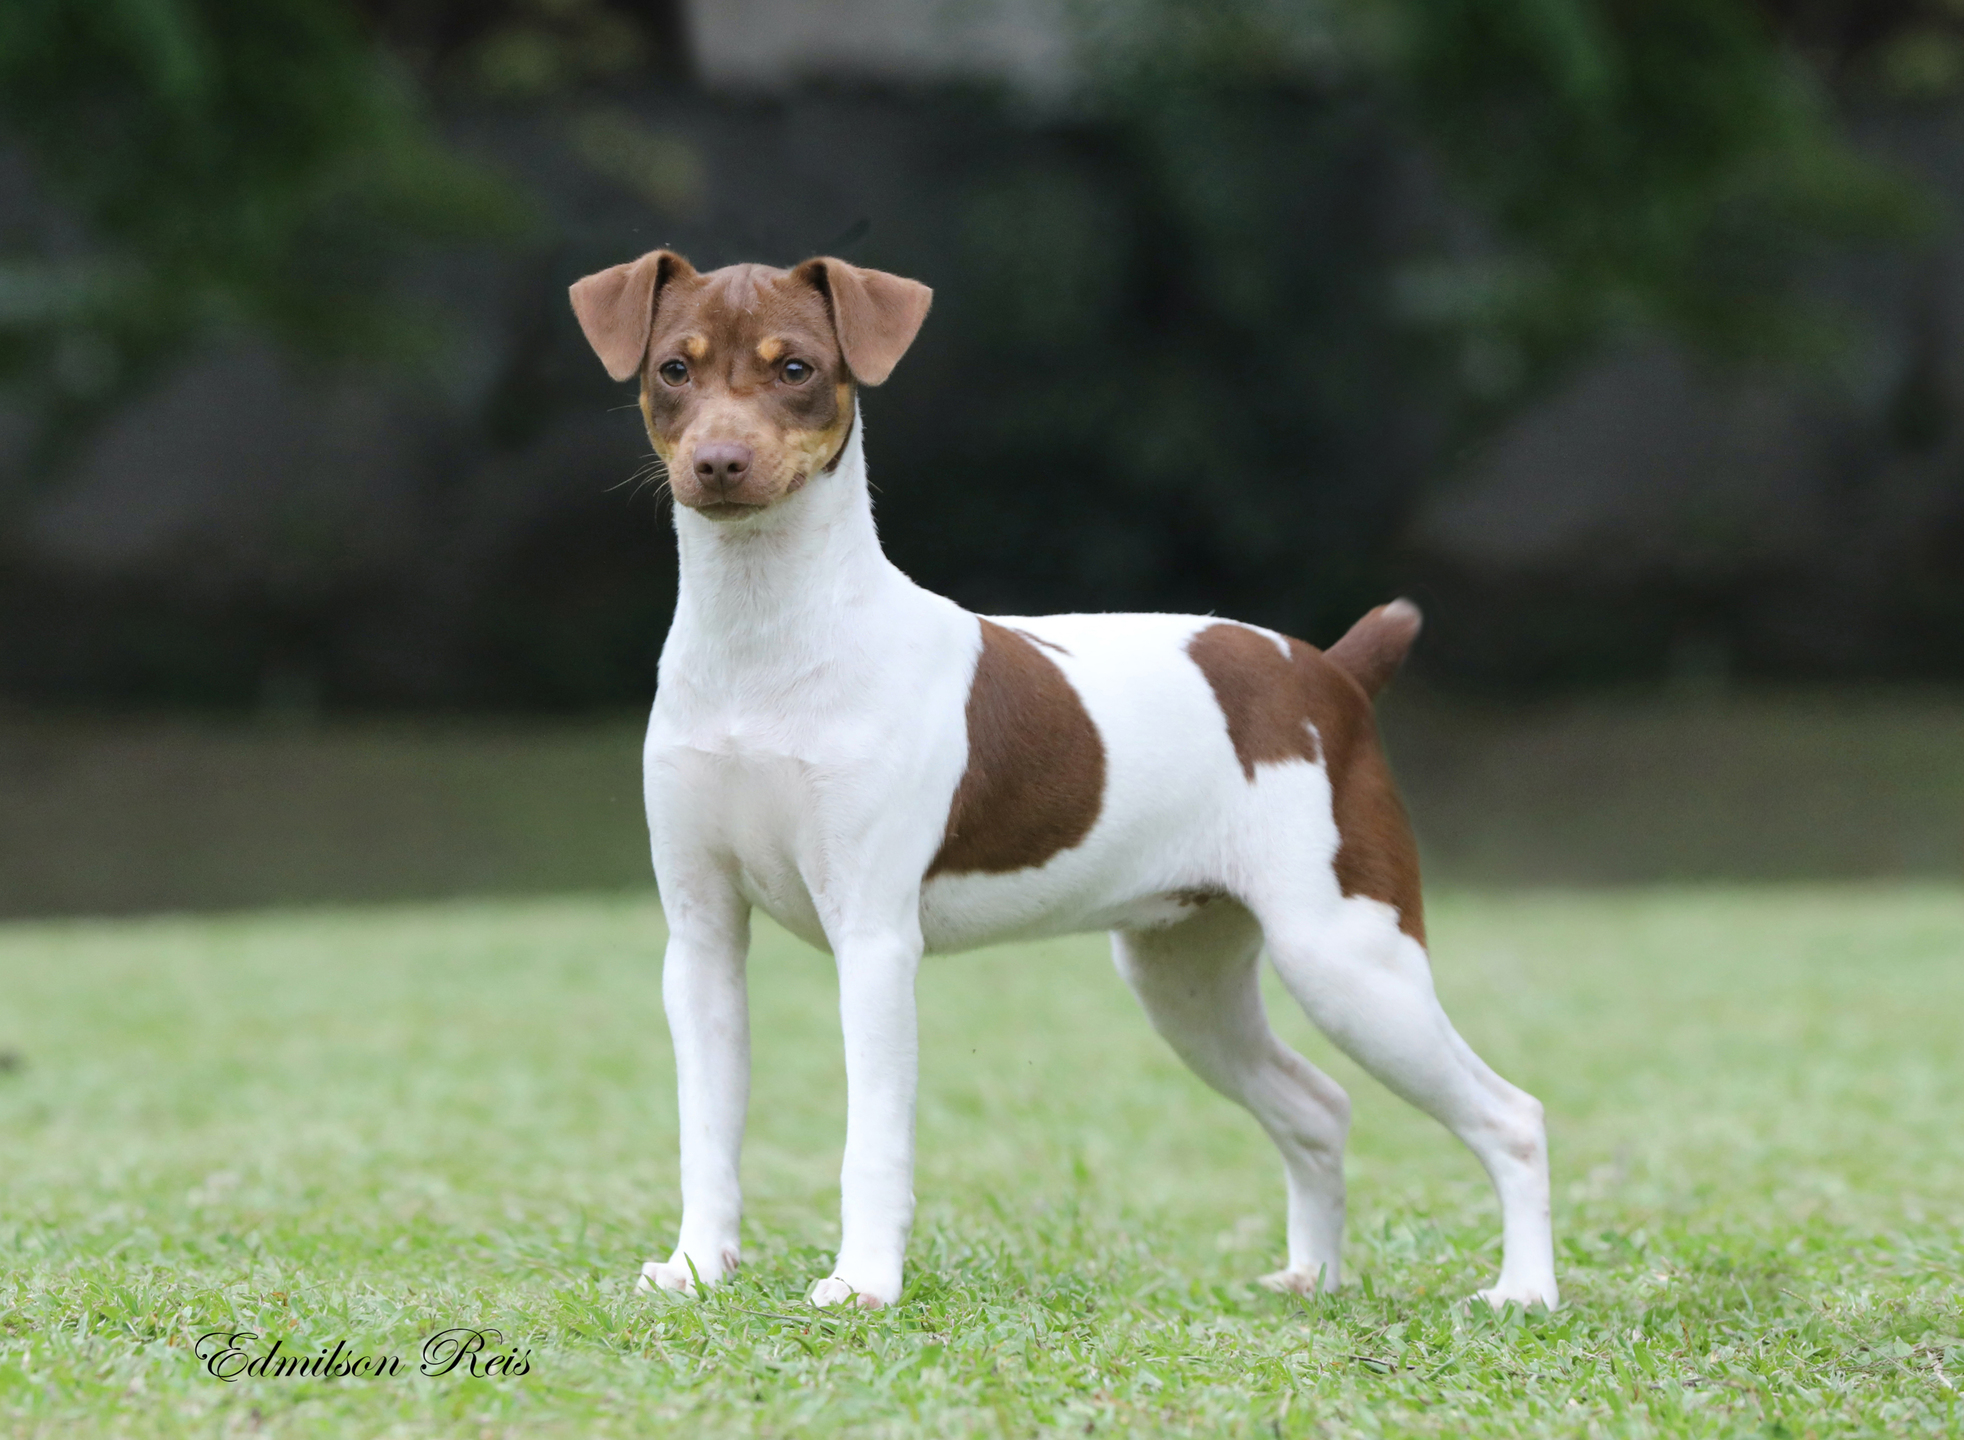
[
  {"x": 674, "y": 372},
  {"x": 797, "y": 372}
]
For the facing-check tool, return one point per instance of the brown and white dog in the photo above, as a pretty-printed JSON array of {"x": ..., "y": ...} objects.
[{"x": 885, "y": 774}]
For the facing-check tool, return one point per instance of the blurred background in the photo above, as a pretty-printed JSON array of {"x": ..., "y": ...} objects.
[{"x": 1627, "y": 338}]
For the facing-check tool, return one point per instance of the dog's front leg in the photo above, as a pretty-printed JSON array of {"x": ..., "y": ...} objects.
[
  {"x": 876, "y": 1183},
  {"x": 704, "y": 994}
]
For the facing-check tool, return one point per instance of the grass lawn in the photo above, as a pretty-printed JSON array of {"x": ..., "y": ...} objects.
[{"x": 368, "y": 1126}]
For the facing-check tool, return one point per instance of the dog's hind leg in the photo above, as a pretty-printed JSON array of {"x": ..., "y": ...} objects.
[
  {"x": 1368, "y": 985},
  {"x": 1200, "y": 984}
]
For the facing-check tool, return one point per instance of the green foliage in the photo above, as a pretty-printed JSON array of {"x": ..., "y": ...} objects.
[
  {"x": 367, "y": 1126},
  {"x": 213, "y": 164},
  {"x": 536, "y": 49},
  {"x": 1663, "y": 167},
  {"x": 1227, "y": 416},
  {"x": 1655, "y": 165},
  {"x": 1288, "y": 258},
  {"x": 1205, "y": 329}
]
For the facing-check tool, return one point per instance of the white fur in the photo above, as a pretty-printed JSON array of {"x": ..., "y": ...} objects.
[{"x": 806, "y": 742}]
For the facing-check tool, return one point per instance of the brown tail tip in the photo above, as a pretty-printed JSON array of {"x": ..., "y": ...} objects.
[{"x": 1372, "y": 650}]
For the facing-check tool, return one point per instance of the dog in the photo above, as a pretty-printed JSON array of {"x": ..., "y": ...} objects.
[{"x": 886, "y": 774}]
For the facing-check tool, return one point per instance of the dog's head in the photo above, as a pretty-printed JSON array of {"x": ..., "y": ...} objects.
[{"x": 747, "y": 373}]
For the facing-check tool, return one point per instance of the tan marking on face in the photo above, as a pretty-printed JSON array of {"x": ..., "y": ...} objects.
[
  {"x": 817, "y": 451},
  {"x": 1270, "y": 702},
  {"x": 729, "y": 336},
  {"x": 833, "y": 439},
  {"x": 736, "y": 327},
  {"x": 1035, "y": 780}
]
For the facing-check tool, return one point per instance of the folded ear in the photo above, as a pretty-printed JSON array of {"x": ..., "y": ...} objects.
[
  {"x": 876, "y": 315},
  {"x": 617, "y": 308}
]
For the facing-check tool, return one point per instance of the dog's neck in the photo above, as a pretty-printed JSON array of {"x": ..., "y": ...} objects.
[{"x": 788, "y": 586}]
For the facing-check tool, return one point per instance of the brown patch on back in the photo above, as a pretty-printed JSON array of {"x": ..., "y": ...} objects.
[
  {"x": 1035, "y": 781},
  {"x": 1039, "y": 640},
  {"x": 1271, "y": 702},
  {"x": 1258, "y": 692}
]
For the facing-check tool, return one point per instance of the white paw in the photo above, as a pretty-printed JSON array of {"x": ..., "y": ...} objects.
[
  {"x": 674, "y": 1274},
  {"x": 656, "y": 1275},
  {"x": 1303, "y": 1281},
  {"x": 834, "y": 1291},
  {"x": 1527, "y": 1296}
]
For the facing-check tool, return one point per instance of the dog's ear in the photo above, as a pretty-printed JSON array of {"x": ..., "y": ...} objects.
[
  {"x": 876, "y": 315},
  {"x": 617, "y": 308}
]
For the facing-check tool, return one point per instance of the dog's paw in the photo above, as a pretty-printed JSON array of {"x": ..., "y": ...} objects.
[
  {"x": 1527, "y": 1296},
  {"x": 1303, "y": 1281},
  {"x": 834, "y": 1291},
  {"x": 674, "y": 1273},
  {"x": 658, "y": 1275},
  {"x": 831, "y": 1291}
]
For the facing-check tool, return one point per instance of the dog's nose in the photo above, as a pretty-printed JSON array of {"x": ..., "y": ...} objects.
[{"x": 722, "y": 466}]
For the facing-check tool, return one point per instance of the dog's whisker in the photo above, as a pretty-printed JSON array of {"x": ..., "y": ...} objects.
[
  {"x": 657, "y": 478},
  {"x": 653, "y": 468}
]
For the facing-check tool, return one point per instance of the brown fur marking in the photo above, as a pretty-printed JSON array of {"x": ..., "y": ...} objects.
[
  {"x": 1039, "y": 640},
  {"x": 1035, "y": 780},
  {"x": 1270, "y": 703},
  {"x": 735, "y": 327},
  {"x": 1372, "y": 650},
  {"x": 734, "y": 330},
  {"x": 876, "y": 314}
]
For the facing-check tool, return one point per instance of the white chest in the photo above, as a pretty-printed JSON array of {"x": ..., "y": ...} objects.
[
  {"x": 816, "y": 786},
  {"x": 752, "y": 811}
]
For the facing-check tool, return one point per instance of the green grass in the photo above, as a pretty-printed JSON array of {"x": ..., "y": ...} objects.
[{"x": 370, "y": 1125}]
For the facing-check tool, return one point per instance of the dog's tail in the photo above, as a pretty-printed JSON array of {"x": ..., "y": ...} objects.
[{"x": 1372, "y": 650}]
